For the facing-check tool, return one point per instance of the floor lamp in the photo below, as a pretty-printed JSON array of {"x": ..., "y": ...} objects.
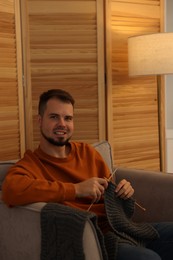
[{"x": 151, "y": 54}]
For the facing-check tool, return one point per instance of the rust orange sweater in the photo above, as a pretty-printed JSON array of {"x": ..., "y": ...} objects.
[{"x": 39, "y": 177}]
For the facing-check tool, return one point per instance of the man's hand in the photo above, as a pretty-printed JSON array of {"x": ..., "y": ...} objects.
[
  {"x": 124, "y": 189},
  {"x": 93, "y": 187}
]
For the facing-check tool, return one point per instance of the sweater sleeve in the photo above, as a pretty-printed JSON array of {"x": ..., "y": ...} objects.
[{"x": 22, "y": 186}]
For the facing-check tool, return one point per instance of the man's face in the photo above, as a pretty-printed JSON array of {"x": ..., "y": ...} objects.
[{"x": 56, "y": 125}]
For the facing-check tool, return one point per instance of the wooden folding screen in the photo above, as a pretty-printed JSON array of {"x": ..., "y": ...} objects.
[
  {"x": 63, "y": 47},
  {"x": 133, "y": 116},
  {"x": 11, "y": 105},
  {"x": 66, "y": 45}
]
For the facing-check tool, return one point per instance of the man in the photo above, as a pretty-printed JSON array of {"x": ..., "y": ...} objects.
[{"x": 73, "y": 174}]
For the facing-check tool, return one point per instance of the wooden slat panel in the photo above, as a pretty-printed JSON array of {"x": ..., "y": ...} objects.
[
  {"x": 68, "y": 7},
  {"x": 9, "y": 110},
  {"x": 136, "y": 9},
  {"x": 134, "y": 121},
  {"x": 64, "y": 54}
]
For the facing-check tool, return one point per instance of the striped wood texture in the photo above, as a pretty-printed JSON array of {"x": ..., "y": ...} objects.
[
  {"x": 67, "y": 51},
  {"x": 11, "y": 137},
  {"x": 133, "y": 128}
]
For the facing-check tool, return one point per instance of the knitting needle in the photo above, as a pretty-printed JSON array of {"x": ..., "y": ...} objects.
[
  {"x": 108, "y": 181},
  {"x": 137, "y": 204},
  {"x": 90, "y": 206}
]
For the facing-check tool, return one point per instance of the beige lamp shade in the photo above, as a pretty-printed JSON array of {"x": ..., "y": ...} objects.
[{"x": 150, "y": 54}]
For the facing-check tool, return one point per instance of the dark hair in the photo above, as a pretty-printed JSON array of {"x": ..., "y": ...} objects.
[{"x": 60, "y": 94}]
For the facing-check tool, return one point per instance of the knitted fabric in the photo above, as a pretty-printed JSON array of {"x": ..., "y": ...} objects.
[
  {"x": 119, "y": 213},
  {"x": 62, "y": 229},
  {"x": 62, "y": 232},
  {"x": 111, "y": 244}
]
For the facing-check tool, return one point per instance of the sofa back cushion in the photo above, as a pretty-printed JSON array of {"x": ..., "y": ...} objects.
[
  {"x": 105, "y": 150},
  {"x": 4, "y": 166}
]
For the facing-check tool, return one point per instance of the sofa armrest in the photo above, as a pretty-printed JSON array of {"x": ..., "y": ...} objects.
[
  {"x": 20, "y": 236},
  {"x": 153, "y": 191}
]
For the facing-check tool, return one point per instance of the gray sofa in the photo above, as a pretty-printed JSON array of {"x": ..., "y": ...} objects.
[{"x": 20, "y": 232}]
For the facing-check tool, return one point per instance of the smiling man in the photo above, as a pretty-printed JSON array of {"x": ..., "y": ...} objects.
[{"x": 75, "y": 174}]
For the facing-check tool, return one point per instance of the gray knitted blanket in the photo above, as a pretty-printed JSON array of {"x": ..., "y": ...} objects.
[{"x": 62, "y": 229}]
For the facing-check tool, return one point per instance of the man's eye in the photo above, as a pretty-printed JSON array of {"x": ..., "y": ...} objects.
[
  {"x": 68, "y": 118},
  {"x": 53, "y": 117}
]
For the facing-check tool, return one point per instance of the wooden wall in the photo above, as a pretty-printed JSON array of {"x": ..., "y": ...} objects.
[
  {"x": 133, "y": 117},
  {"x": 64, "y": 43},
  {"x": 11, "y": 117}
]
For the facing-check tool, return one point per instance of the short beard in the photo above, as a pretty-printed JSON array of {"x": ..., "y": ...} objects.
[{"x": 56, "y": 143}]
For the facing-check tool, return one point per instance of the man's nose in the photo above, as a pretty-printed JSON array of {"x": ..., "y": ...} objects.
[{"x": 61, "y": 121}]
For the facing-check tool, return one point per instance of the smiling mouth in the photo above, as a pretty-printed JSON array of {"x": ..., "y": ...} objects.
[{"x": 60, "y": 133}]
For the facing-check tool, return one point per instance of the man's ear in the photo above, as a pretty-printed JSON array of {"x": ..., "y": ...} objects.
[{"x": 39, "y": 120}]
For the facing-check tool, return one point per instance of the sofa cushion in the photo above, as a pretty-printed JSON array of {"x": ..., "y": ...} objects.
[
  {"x": 4, "y": 166},
  {"x": 104, "y": 149}
]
